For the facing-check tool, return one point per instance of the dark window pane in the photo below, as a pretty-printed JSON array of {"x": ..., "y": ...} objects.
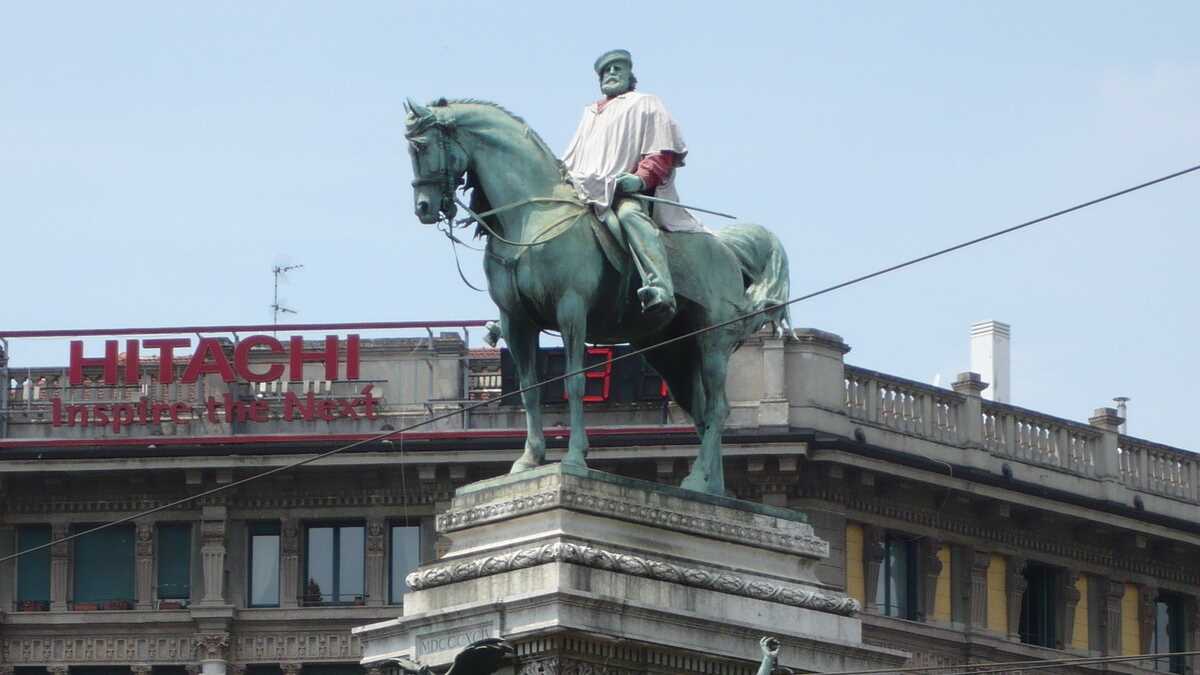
[
  {"x": 895, "y": 591},
  {"x": 332, "y": 669},
  {"x": 318, "y": 586},
  {"x": 406, "y": 556},
  {"x": 264, "y": 564},
  {"x": 104, "y": 566},
  {"x": 174, "y": 561},
  {"x": 1039, "y": 605},
  {"x": 33, "y": 570},
  {"x": 351, "y": 567},
  {"x": 1168, "y": 633}
]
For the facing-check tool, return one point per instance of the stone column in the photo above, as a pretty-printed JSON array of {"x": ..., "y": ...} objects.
[
  {"x": 376, "y": 586},
  {"x": 212, "y": 554},
  {"x": 773, "y": 409},
  {"x": 970, "y": 417},
  {"x": 289, "y": 562},
  {"x": 145, "y": 566},
  {"x": 60, "y": 568},
  {"x": 816, "y": 376},
  {"x": 980, "y": 560},
  {"x": 1108, "y": 466},
  {"x": 1071, "y": 597},
  {"x": 1147, "y": 608},
  {"x": 1015, "y": 584},
  {"x": 212, "y": 650},
  {"x": 874, "y": 548},
  {"x": 931, "y": 571},
  {"x": 1111, "y": 616}
]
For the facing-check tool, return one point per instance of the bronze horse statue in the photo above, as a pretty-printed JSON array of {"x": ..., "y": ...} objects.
[{"x": 552, "y": 265}]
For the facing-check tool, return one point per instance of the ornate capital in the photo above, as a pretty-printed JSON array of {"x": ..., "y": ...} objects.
[
  {"x": 375, "y": 537},
  {"x": 61, "y": 550},
  {"x": 211, "y": 646},
  {"x": 145, "y": 541},
  {"x": 141, "y": 668},
  {"x": 212, "y": 532},
  {"x": 291, "y": 668},
  {"x": 289, "y": 538}
]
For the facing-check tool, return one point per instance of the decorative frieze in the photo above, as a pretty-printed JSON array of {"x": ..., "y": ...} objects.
[
  {"x": 800, "y": 539},
  {"x": 634, "y": 565},
  {"x": 97, "y": 650},
  {"x": 296, "y": 646}
]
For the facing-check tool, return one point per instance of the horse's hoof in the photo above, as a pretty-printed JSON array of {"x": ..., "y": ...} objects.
[
  {"x": 522, "y": 465},
  {"x": 573, "y": 459}
]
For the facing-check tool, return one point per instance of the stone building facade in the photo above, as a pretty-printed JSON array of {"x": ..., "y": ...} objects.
[{"x": 970, "y": 531}]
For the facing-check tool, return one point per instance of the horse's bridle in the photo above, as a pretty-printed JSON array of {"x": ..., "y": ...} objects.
[{"x": 442, "y": 178}]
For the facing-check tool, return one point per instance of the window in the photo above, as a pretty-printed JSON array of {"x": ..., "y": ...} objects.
[
  {"x": 264, "y": 565},
  {"x": 896, "y": 590},
  {"x": 33, "y": 570},
  {"x": 405, "y": 557},
  {"x": 104, "y": 568},
  {"x": 1168, "y": 633},
  {"x": 1039, "y": 605},
  {"x": 334, "y": 567},
  {"x": 175, "y": 562}
]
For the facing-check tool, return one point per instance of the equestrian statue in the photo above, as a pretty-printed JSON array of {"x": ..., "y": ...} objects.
[{"x": 597, "y": 247}]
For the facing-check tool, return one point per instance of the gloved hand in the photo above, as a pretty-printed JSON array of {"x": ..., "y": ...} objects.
[{"x": 629, "y": 183}]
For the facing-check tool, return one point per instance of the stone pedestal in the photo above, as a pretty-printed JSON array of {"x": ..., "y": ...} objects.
[{"x": 581, "y": 569}]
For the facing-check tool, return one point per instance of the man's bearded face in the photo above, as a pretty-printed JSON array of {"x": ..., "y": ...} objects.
[{"x": 616, "y": 78}]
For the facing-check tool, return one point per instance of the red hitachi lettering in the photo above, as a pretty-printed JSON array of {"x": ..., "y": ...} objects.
[
  {"x": 351, "y": 357},
  {"x": 133, "y": 371},
  {"x": 209, "y": 358},
  {"x": 241, "y": 359},
  {"x": 79, "y": 362},
  {"x": 300, "y": 357},
  {"x": 166, "y": 355}
]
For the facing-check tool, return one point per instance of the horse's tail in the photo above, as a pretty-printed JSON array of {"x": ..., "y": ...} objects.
[{"x": 765, "y": 272}]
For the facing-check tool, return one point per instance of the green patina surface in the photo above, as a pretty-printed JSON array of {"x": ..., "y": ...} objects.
[
  {"x": 552, "y": 265},
  {"x": 547, "y": 470}
]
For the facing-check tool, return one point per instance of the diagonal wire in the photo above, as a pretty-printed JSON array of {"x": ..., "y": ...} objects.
[{"x": 630, "y": 354}]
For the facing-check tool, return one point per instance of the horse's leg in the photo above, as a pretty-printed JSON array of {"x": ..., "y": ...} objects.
[
  {"x": 708, "y": 473},
  {"x": 676, "y": 363},
  {"x": 572, "y": 321},
  {"x": 522, "y": 337}
]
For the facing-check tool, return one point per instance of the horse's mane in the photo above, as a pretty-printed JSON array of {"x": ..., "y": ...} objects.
[{"x": 529, "y": 131}]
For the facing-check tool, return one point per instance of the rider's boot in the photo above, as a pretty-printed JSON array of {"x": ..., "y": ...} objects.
[{"x": 657, "y": 294}]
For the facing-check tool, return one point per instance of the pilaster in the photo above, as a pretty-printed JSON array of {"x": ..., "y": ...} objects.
[
  {"x": 874, "y": 548},
  {"x": 376, "y": 571},
  {"x": 1070, "y": 596},
  {"x": 773, "y": 408},
  {"x": 1015, "y": 584},
  {"x": 212, "y": 554},
  {"x": 980, "y": 561},
  {"x": 289, "y": 562},
  {"x": 1114, "y": 591},
  {"x": 931, "y": 571},
  {"x": 60, "y": 568},
  {"x": 144, "y": 579},
  {"x": 1147, "y": 608}
]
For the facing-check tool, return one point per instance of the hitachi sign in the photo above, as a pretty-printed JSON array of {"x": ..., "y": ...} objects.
[{"x": 209, "y": 359}]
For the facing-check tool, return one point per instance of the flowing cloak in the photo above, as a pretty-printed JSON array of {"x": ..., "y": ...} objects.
[{"x": 612, "y": 141}]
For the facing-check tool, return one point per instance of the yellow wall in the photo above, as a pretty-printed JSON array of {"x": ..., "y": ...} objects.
[
  {"x": 855, "y": 583},
  {"x": 941, "y": 599},
  {"x": 1131, "y": 642},
  {"x": 997, "y": 597},
  {"x": 1079, "y": 638}
]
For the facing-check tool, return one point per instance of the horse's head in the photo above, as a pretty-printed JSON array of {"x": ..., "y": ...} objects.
[{"x": 439, "y": 160}]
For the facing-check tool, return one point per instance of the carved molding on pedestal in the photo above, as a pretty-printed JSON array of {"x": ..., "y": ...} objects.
[
  {"x": 805, "y": 543},
  {"x": 635, "y": 565}
]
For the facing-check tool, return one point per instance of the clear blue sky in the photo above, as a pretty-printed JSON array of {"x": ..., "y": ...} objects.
[{"x": 157, "y": 158}]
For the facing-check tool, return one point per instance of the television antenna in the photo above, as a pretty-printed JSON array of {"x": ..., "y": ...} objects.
[{"x": 276, "y": 308}]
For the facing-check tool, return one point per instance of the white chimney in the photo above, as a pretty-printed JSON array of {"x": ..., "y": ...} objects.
[
  {"x": 989, "y": 358},
  {"x": 1122, "y": 410}
]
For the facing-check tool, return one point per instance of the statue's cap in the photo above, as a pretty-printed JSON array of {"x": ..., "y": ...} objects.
[{"x": 610, "y": 56}]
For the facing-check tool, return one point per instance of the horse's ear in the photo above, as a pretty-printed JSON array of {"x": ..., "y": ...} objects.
[{"x": 418, "y": 111}]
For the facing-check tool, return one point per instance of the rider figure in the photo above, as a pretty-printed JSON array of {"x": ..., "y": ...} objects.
[{"x": 627, "y": 144}]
